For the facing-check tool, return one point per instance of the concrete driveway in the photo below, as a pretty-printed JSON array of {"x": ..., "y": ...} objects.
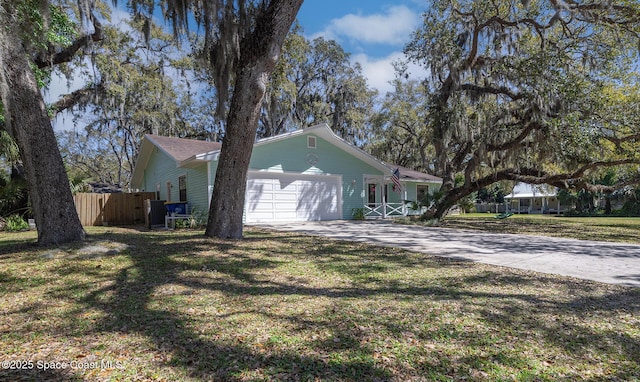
[{"x": 592, "y": 260}]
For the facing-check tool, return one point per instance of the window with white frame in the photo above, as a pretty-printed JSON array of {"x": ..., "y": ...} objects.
[
  {"x": 182, "y": 187},
  {"x": 422, "y": 192}
]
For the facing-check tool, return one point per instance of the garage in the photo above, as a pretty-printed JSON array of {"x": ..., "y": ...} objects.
[{"x": 287, "y": 197}]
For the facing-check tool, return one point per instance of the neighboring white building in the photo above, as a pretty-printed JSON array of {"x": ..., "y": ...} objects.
[{"x": 534, "y": 199}]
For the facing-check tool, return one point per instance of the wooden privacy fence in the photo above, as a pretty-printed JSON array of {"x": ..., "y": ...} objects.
[{"x": 111, "y": 209}]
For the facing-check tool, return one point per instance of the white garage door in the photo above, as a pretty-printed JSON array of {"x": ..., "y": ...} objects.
[{"x": 292, "y": 197}]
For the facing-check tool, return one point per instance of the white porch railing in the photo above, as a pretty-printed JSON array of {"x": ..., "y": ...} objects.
[
  {"x": 383, "y": 210},
  {"x": 373, "y": 210},
  {"x": 395, "y": 209}
]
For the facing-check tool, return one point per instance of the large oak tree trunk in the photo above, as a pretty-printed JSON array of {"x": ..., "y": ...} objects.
[
  {"x": 258, "y": 56},
  {"x": 28, "y": 123},
  {"x": 227, "y": 202},
  {"x": 438, "y": 210}
]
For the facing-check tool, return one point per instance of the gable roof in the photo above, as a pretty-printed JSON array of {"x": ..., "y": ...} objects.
[
  {"x": 178, "y": 149},
  {"x": 190, "y": 152},
  {"x": 322, "y": 130}
]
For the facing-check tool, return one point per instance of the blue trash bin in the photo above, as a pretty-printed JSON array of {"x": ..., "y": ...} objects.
[{"x": 176, "y": 207}]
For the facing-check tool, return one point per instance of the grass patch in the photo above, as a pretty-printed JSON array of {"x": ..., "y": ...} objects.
[
  {"x": 285, "y": 306},
  {"x": 613, "y": 229}
]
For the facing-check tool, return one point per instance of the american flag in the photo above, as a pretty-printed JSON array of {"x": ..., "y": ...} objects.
[{"x": 395, "y": 178}]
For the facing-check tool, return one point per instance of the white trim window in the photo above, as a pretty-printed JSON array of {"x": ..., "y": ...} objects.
[{"x": 182, "y": 188}]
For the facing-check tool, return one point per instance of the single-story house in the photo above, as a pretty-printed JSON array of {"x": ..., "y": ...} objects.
[
  {"x": 309, "y": 174},
  {"x": 533, "y": 199}
]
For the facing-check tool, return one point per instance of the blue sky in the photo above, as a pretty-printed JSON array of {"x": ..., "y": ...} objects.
[
  {"x": 376, "y": 27},
  {"x": 374, "y": 32}
]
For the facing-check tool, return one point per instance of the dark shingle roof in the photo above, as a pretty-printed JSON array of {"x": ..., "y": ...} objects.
[
  {"x": 408, "y": 174},
  {"x": 181, "y": 149}
]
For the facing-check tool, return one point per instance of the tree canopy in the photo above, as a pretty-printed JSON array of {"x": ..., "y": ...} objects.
[
  {"x": 242, "y": 42},
  {"x": 521, "y": 91},
  {"x": 136, "y": 90},
  {"x": 401, "y": 135},
  {"x": 535, "y": 91},
  {"x": 26, "y": 32},
  {"x": 315, "y": 82}
]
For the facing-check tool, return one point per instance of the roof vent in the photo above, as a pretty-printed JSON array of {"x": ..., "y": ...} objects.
[{"x": 311, "y": 142}]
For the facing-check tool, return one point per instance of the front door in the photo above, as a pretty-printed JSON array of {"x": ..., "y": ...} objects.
[{"x": 371, "y": 195}]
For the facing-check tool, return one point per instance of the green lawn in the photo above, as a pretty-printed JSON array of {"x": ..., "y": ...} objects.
[
  {"x": 284, "y": 306},
  {"x": 586, "y": 228}
]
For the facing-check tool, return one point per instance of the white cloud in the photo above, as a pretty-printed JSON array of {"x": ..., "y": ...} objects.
[
  {"x": 380, "y": 72},
  {"x": 391, "y": 28}
]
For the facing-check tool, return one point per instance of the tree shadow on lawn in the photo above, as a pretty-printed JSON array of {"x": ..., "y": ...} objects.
[
  {"x": 498, "y": 297},
  {"x": 580, "y": 320},
  {"x": 128, "y": 311},
  {"x": 615, "y": 232},
  {"x": 127, "y": 304},
  {"x": 35, "y": 374},
  {"x": 9, "y": 248}
]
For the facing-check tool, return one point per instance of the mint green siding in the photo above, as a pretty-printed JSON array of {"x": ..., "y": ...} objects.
[
  {"x": 409, "y": 191},
  {"x": 162, "y": 169},
  {"x": 197, "y": 189},
  {"x": 395, "y": 197},
  {"x": 412, "y": 190},
  {"x": 351, "y": 170},
  {"x": 293, "y": 155}
]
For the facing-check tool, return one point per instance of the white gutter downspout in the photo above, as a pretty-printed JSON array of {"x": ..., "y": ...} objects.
[
  {"x": 405, "y": 210},
  {"x": 383, "y": 190}
]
